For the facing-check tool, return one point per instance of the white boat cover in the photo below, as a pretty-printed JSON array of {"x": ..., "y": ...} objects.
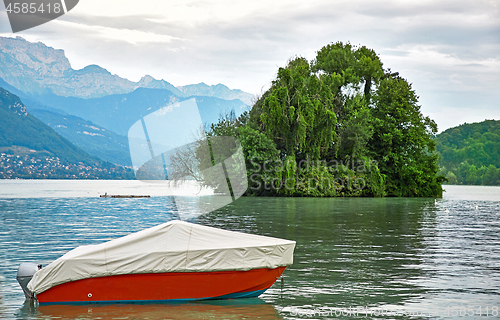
[{"x": 175, "y": 246}]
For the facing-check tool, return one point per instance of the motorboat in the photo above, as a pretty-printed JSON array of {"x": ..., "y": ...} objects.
[{"x": 173, "y": 261}]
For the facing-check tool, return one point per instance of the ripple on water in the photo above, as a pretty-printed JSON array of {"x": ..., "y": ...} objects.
[{"x": 374, "y": 253}]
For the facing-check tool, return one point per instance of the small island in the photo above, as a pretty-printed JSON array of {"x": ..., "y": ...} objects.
[{"x": 339, "y": 125}]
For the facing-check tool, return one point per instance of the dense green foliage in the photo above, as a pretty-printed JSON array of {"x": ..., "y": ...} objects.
[
  {"x": 470, "y": 153},
  {"x": 340, "y": 125},
  {"x": 401, "y": 141}
]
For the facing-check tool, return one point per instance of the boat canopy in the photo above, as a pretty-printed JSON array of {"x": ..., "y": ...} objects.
[{"x": 175, "y": 246}]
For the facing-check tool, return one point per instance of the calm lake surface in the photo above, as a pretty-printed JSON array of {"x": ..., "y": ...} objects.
[{"x": 355, "y": 258}]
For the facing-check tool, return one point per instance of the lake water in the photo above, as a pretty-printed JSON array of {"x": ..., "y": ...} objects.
[{"x": 355, "y": 258}]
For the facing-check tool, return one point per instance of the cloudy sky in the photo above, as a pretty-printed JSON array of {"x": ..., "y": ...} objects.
[{"x": 448, "y": 49}]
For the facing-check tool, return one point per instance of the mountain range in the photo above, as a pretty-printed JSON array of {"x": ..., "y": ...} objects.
[
  {"x": 117, "y": 112},
  {"x": 37, "y": 69},
  {"x": 92, "y": 139},
  {"x": 31, "y": 149},
  {"x": 92, "y": 108}
]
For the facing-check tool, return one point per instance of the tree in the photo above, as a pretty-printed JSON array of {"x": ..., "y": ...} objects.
[
  {"x": 338, "y": 60},
  {"x": 347, "y": 67},
  {"x": 470, "y": 144},
  {"x": 299, "y": 111},
  {"x": 260, "y": 153},
  {"x": 348, "y": 121},
  {"x": 354, "y": 130},
  {"x": 402, "y": 141},
  {"x": 261, "y": 159},
  {"x": 368, "y": 68},
  {"x": 491, "y": 177},
  {"x": 350, "y": 66}
]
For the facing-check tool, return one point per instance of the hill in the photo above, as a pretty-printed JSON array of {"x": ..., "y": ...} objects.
[
  {"x": 31, "y": 149},
  {"x": 470, "y": 153},
  {"x": 89, "y": 137}
]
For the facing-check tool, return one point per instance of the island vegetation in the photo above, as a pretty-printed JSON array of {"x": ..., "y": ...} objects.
[{"x": 339, "y": 125}]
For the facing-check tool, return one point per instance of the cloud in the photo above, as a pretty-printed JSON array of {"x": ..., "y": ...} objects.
[
  {"x": 128, "y": 35},
  {"x": 445, "y": 48}
]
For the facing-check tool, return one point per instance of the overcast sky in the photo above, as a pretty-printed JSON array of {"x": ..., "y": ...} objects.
[{"x": 448, "y": 50}]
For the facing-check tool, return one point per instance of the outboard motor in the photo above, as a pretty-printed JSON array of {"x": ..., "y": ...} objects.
[{"x": 24, "y": 274}]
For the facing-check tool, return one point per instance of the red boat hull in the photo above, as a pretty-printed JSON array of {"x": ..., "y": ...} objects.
[{"x": 155, "y": 287}]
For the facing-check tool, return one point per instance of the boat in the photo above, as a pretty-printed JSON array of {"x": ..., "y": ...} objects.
[{"x": 174, "y": 261}]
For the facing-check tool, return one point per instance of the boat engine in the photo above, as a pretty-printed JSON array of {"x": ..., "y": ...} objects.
[{"x": 25, "y": 272}]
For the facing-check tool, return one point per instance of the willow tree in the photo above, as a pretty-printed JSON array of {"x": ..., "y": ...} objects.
[
  {"x": 354, "y": 72},
  {"x": 350, "y": 65},
  {"x": 298, "y": 113}
]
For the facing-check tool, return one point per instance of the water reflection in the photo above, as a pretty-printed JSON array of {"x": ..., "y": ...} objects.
[
  {"x": 253, "y": 308},
  {"x": 349, "y": 251},
  {"x": 369, "y": 253}
]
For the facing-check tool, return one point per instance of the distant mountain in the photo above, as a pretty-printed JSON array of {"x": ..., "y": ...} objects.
[
  {"x": 28, "y": 99},
  {"x": 19, "y": 128},
  {"x": 470, "y": 153},
  {"x": 37, "y": 69},
  {"x": 41, "y": 152},
  {"x": 120, "y": 111},
  {"x": 103, "y": 113},
  {"x": 95, "y": 141},
  {"x": 149, "y": 82},
  {"x": 218, "y": 91},
  {"x": 200, "y": 89},
  {"x": 93, "y": 108},
  {"x": 89, "y": 137}
]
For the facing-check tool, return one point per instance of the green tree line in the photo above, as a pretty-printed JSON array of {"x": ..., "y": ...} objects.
[
  {"x": 470, "y": 153},
  {"x": 339, "y": 125}
]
